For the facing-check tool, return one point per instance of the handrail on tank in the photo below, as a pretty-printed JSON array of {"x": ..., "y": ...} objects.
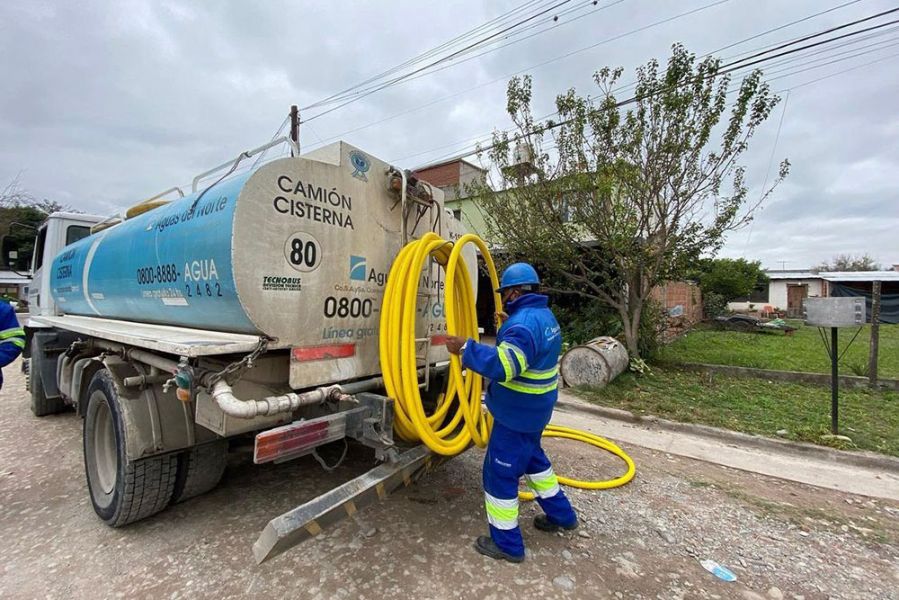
[
  {"x": 106, "y": 223},
  {"x": 165, "y": 193},
  {"x": 246, "y": 154}
]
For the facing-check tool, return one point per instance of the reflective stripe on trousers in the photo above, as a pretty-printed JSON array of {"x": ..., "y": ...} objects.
[
  {"x": 501, "y": 513},
  {"x": 545, "y": 483}
]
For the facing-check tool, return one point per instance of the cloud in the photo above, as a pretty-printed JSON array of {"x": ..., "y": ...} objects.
[{"x": 105, "y": 103}]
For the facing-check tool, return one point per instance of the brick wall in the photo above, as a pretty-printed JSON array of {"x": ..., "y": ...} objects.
[
  {"x": 441, "y": 175},
  {"x": 683, "y": 294}
]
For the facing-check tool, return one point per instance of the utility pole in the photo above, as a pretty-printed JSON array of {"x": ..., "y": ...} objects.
[
  {"x": 295, "y": 126},
  {"x": 834, "y": 382},
  {"x": 875, "y": 334}
]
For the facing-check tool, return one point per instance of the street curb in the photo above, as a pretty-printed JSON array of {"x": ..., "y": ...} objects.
[
  {"x": 846, "y": 381},
  {"x": 857, "y": 459}
]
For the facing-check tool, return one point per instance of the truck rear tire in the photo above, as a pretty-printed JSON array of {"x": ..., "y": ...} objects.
[
  {"x": 121, "y": 491},
  {"x": 42, "y": 406},
  {"x": 200, "y": 469}
]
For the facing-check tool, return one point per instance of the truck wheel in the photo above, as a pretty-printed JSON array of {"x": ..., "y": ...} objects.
[
  {"x": 42, "y": 406},
  {"x": 122, "y": 491},
  {"x": 200, "y": 469}
]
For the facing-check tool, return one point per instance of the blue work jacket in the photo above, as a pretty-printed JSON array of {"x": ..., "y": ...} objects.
[
  {"x": 523, "y": 366},
  {"x": 12, "y": 336}
]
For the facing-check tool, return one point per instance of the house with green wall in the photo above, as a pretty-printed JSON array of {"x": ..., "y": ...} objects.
[{"x": 453, "y": 177}]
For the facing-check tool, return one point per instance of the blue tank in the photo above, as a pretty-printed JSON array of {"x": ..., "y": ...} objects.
[
  {"x": 298, "y": 250},
  {"x": 171, "y": 265}
]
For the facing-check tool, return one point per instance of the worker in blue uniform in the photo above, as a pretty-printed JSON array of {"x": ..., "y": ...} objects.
[
  {"x": 12, "y": 336},
  {"x": 523, "y": 373}
]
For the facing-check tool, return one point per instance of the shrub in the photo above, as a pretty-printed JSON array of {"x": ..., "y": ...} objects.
[
  {"x": 714, "y": 305},
  {"x": 584, "y": 321}
]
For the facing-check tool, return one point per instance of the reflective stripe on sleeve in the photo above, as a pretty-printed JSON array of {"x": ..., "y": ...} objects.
[
  {"x": 517, "y": 353},
  {"x": 14, "y": 332},
  {"x": 540, "y": 374}
]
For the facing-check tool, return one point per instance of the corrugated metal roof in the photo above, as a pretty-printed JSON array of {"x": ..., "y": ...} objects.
[
  {"x": 860, "y": 275},
  {"x": 792, "y": 275}
]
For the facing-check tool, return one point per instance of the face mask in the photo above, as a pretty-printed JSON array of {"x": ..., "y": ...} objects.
[{"x": 508, "y": 299}]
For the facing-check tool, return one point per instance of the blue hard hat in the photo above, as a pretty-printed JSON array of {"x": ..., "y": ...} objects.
[{"x": 518, "y": 274}]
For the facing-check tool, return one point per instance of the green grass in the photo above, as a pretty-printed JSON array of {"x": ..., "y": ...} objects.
[
  {"x": 802, "y": 351},
  {"x": 752, "y": 405}
]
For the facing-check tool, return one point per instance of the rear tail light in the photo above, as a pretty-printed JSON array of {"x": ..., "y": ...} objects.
[
  {"x": 328, "y": 352},
  {"x": 299, "y": 438}
]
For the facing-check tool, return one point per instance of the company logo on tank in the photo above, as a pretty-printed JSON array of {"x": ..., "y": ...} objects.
[
  {"x": 360, "y": 272},
  {"x": 276, "y": 283},
  {"x": 361, "y": 164}
]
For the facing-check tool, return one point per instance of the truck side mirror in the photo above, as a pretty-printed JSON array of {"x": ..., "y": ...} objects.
[{"x": 8, "y": 252}]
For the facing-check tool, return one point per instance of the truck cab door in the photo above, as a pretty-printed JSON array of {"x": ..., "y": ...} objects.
[
  {"x": 55, "y": 234},
  {"x": 39, "y": 299}
]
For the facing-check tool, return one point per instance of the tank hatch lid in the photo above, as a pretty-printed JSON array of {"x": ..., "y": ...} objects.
[{"x": 162, "y": 338}]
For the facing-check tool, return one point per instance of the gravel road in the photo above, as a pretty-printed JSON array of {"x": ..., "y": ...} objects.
[{"x": 781, "y": 539}]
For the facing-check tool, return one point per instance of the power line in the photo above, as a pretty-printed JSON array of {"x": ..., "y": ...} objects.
[
  {"x": 590, "y": 47},
  {"x": 729, "y": 68},
  {"x": 785, "y": 25},
  {"x": 367, "y": 92},
  {"x": 541, "y": 64},
  {"x": 801, "y": 48},
  {"x": 521, "y": 39},
  {"x": 758, "y": 35},
  {"x": 855, "y": 53},
  {"x": 825, "y": 32},
  {"x": 569, "y": 54},
  {"x": 806, "y": 83},
  {"x": 780, "y": 125},
  {"x": 409, "y": 77},
  {"x": 432, "y": 52},
  {"x": 851, "y": 42}
]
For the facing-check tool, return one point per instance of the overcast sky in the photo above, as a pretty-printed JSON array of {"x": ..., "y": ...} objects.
[{"x": 103, "y": 104}]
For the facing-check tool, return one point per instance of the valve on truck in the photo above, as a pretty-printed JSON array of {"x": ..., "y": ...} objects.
[{"x": 184, "y": 381}]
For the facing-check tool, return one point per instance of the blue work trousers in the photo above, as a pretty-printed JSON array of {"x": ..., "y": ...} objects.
[{"x": 511, "y": 455}]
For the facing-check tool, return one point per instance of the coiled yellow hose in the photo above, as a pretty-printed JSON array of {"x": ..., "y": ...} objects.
[{"x": 398, "y": 347}]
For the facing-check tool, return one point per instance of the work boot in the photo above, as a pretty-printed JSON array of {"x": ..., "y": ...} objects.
[
  {"x": 543, "y": 523},
  {"x": 486, "y": 546}
]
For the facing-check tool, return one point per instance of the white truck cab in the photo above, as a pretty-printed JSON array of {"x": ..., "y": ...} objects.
[{"x": 59, "y": 230}]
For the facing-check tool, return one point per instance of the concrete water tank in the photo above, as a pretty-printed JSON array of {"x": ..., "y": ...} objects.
[{"x": 595, "y": 363}]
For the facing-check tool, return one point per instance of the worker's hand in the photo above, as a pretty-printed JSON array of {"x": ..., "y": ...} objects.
[
  {"x": 454, "y": 343},
  {"x": 500, "y": 318}
]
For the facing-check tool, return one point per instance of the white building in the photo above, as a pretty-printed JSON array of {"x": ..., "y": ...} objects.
[
  {"x": 784, "y": 292},
  {"x": 14, "y": 285}
]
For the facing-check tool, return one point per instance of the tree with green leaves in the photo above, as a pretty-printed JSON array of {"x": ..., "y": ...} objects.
[
  {"x": 18, "y": 227},
  {"x": 731, "y": 278},
  {"x": 618, "y": 196},
  {"x": 20, "y": 216},
  {"x": 848, "y": 262}
]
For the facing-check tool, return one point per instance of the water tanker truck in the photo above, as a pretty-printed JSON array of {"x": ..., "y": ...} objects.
[{"x": 247, "y": 307}]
